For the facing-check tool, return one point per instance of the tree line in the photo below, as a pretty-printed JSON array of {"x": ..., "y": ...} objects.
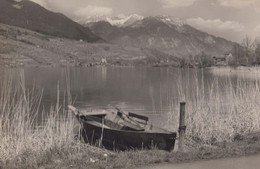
[{"x": 247, "y": 52}]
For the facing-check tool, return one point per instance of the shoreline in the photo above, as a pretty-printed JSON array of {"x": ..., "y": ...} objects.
[
  {"x": 94, "y": 157},
  {"x": 212, "y": 68},
  {"x": 249, "y": 162}
]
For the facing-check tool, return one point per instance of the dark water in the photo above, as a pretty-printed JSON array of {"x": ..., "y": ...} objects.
[{"x": 144, "y": 90}]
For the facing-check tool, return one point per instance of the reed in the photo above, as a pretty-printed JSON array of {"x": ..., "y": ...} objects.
[
  {"x": 27, "y": 142},
  {"x": 20, "y": 129},
  {"x": 217, "y": 110}
]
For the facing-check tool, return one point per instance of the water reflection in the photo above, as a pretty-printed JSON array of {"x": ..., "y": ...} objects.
[{"x": 143, "y": 90}]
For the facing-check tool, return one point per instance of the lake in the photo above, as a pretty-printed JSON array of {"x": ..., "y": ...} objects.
[{"x": 155, "y": 92}]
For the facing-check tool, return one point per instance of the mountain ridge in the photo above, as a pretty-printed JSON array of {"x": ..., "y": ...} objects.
[
  {"x": 165, "y": 34},
  {"x": 120, "y": 21},
  {"x": 130, "y": 40},
  {"x": 32, "y": 16}
]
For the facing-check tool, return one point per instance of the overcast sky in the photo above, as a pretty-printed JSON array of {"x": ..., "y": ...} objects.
[{"x": 231, "y": 19}]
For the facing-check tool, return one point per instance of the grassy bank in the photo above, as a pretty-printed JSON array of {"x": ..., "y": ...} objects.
[
  {"x": 222, "y": 120},
  {"x": 85, "y": 156},
  {"x": 20, "y": 131},
  {"x": 217, "y": 108}
]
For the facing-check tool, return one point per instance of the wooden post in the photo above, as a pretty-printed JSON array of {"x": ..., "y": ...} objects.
[
  {"x": 182, "y": 127},
  {"x": 101, "y": 137}
]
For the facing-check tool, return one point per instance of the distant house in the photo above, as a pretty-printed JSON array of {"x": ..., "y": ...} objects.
[
  {"x": 161, "y": 60},
  {"x": 224, "y": 59},
  {"x": 164, "y": 60},
  {"x": 219, "y": 58},
  {"x": 228, "y": 57},
  {"x": 104, "y": 61}
]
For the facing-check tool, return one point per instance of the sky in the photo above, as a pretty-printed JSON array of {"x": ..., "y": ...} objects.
[{"x": 231, "y": 19}]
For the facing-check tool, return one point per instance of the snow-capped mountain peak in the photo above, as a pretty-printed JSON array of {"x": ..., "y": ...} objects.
[
  {"x": 120, "y": 20},
  {"x": 131, "y": 20},
  {"x": 171, "y": 20},
  {"x": 124, "y": 21}
]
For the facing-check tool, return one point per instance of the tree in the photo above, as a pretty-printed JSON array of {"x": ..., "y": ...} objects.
[
  {"x": 247, "y": 43},
  {"x": 243, "y": 53},
  {"x": 204, "y": 60},
  {"x": 237, "y": 53},
  {"x": 257, "y": 53},
  {"x": 256, "y": 47}
]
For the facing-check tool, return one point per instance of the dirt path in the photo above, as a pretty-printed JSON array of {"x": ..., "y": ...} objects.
[{"x": 250, "y": 162}]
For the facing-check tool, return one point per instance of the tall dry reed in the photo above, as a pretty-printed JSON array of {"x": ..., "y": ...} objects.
[
  {"x": 217, "y": 109},
  {"x": 20, "y": 131}
]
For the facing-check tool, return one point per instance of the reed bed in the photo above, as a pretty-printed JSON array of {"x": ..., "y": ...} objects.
[
  {"x": 220, "y": 109},
  {"x": 27, "y": 142},
  {"x": 20, "y": 130},
  {"x": 217, "y": 111}
]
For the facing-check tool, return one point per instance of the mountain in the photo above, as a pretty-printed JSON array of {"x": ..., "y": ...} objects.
[
  {"x": 124, "y": 21},
  {"x": 163, "y": 33},
  {"x": 120, "y": 21},
  {"x": 105, "y": 30},
  {"x": 23, "y": 47},
  {"x": 29, "y": 15}
]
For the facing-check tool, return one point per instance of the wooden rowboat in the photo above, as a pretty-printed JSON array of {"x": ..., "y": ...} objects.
[{"x": 123, "y": 131}]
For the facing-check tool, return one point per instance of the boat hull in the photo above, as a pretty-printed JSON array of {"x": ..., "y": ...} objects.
[{"x": 126, "y": 140}]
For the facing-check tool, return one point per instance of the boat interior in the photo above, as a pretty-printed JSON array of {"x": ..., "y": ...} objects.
[{"x": 122, "y": 121}]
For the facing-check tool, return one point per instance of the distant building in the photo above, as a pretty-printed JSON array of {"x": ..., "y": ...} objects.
[
  {"x": 229, "y": 57},
  {"x": 104, "y": 61},
  {"x": 164, "y": 60},
  {"x": 223, "y": 59},
  {"x": 219, "y": 58},
  {"x": 161, "y": 60}
]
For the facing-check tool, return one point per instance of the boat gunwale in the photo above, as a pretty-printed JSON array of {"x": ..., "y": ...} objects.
[{"x": 166, "y": 132}]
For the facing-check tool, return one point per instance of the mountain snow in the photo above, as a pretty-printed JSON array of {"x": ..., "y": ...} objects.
[
  {"x": 124, "y": 21},
  {"x": 120, "y": 20},
  {"x": 172, "y": 21}
]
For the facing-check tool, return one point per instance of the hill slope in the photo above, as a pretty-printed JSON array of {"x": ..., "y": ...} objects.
[
  {"x": 23, "y": 47},
  {"x": 29, "y": 15}
]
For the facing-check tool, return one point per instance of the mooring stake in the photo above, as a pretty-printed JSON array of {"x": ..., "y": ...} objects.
[{"x": 182, "y": 127}]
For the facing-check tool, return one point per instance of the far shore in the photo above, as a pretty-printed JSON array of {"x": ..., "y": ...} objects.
[{"x": 219, "y": 68}]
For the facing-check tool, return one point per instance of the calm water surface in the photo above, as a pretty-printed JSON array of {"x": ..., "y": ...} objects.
[{"x": 143, "y": 90}]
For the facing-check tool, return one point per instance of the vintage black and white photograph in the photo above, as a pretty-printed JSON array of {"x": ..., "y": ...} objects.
[{"x": 129, "y": 84}]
